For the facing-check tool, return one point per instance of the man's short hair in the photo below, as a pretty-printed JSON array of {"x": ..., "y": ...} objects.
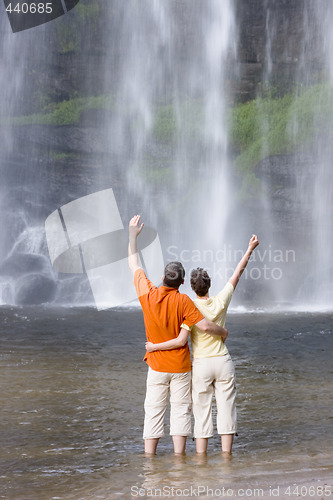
[
  {"x": 174, "y": 274},
  {"x": 200, "y": 281}
]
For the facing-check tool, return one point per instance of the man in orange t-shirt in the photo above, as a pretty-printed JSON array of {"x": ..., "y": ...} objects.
[{"x": 164, "y": 310}]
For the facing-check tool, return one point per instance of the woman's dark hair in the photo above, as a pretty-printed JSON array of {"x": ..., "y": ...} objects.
[
  {"x": 174, "y": 274},
  {"x": 200, "y": 281}
]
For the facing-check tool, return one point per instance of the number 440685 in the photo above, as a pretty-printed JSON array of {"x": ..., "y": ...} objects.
[
  {"x": 32, "y": 8},
  {"x": 309, "y": 491}
]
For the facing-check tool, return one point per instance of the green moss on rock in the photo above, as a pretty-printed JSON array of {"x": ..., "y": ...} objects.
[
  {"x": 273, "y": 125},
  {"x": 63, "y": 113}
]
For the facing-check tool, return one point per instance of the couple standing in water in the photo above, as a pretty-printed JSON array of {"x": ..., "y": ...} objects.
[{"x": 169, "y": 318}]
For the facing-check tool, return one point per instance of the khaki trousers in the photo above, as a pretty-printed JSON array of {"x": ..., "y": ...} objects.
[
  {"x": 159, "y": 386},
  {"x": 209, "y": 374}
]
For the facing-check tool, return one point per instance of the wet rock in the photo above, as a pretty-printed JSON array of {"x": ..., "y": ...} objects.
[
  {"x": 34, "y": 289},
  {"x": 21, "y": 263}
]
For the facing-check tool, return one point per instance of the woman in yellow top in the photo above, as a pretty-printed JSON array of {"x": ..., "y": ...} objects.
[{"x": 212, "y": 365}]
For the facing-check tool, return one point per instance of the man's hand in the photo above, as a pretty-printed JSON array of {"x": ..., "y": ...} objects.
[
  {"x": 253, "y": 243},
  {"x": 211, "y": 328},
  {"x": 134, "y": 228}
]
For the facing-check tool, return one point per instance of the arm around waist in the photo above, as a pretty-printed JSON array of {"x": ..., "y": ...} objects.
[{"x": 211, "y": 328}]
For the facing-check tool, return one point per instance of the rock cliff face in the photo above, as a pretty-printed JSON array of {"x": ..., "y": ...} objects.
[{"x": 279, "y": 42}]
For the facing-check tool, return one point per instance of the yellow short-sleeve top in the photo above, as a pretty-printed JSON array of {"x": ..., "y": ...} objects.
[{"x": 214, "y": 309}]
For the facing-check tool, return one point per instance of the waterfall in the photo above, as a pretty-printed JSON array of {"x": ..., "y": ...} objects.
[
  {"x": 321, "y": 287},
  {"x": 149, "y": 89},
  {"x": 24, "y": 266},
  {"x": 27, "y": 176},
  {"x": 171, "y": 126},
  {"x": 308, "y": 284}
]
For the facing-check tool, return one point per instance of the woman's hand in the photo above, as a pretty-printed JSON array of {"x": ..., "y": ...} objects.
[
  {"x": 254, "y": 242},
  {"x": 150, "y": 347}
]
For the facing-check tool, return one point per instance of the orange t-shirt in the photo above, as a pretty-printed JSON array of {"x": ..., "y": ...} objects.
[{"x": 164, "y": 310}]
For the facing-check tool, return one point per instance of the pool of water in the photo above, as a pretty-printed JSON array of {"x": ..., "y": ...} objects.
[{"x": 72, "y": 391}]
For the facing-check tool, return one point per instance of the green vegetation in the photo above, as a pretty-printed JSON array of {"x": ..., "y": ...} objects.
[
  {"x": 269, "y": 125},
  {"x": 63, "y": 113},
  {"x": 156, "y": 169},
  {"x": 273, "y": 125},
  {"x": 165, "y": 124},
  {"x": 72, "y": 27},
  {"x": 56, "y": 156},
  {"x": 186, "y": 124},
  {"x": 158, "y": 175},
  {"x": 68, "y": 36},
  {"x": 87, "y": 11}
]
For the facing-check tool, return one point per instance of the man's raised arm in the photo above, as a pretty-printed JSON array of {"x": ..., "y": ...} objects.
[
  {"x": 134, "y": 229},
  {"x": 253, "y": 243}
]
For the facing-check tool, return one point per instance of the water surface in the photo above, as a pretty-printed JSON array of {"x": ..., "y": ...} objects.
[{"x": 72, "y": 390}]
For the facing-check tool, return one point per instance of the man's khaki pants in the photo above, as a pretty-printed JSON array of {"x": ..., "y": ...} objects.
[{"x": 159, "y": 385}]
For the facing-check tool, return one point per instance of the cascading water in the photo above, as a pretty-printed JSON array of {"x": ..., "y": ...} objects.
[
  {"x": 24, "y": 268},
  {"x": 167, "y": 73},
  {"x": 308, "y": 231},
  {"x": 29, "y": 190},
  {"x": 172, "y": 96},
  {"x": 322, "y": 292}
]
